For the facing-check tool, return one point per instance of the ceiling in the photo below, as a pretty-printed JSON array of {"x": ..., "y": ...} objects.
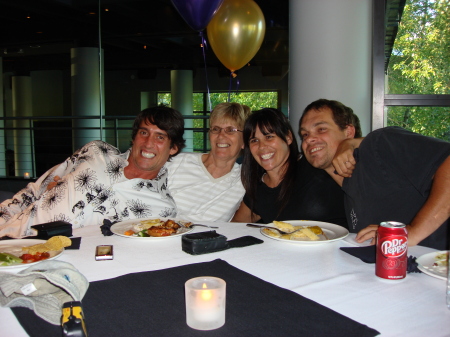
[
  {"x": 138, "y": 35},
  {"x": 142, "y": 35}
]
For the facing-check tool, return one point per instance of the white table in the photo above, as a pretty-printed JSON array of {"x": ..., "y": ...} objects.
[{"x": 414, "y": 306}]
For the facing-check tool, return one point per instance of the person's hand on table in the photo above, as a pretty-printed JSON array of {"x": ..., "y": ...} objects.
[
  {"x": 370, "y": 232},
  {"x": 53, "y": 183},
  {"x": 343, "y": 161}
]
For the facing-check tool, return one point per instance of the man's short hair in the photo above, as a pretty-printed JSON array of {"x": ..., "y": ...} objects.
[
  {"x": 165, "y": 118},
  {"x": 342, "y": 115}
]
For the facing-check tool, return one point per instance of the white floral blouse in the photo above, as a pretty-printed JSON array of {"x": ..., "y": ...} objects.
[{"x": 92, "y": 188}]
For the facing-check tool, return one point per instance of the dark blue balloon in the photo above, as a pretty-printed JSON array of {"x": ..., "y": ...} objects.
[{"x": 197, "y": 13}]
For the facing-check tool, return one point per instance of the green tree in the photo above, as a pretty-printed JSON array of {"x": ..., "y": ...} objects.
[
  {"x": 420, "y": 64},
  {"x": 255, "y": 100}
]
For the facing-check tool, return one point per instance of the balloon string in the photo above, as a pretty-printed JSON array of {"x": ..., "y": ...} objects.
[
  {"x": 229, "y": 86},
  {"x": 233, "y": 75},
  {"x": 204, "y": 45}
]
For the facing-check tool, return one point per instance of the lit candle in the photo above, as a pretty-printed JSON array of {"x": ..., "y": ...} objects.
[
  {"x": 205, "y": 303},
  {"x": 207, "y": 308},
  {"x": 26, "y": 175}
]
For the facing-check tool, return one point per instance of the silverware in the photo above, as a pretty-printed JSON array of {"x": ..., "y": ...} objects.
[
  {"x": 279, "y": 230},
  {"x": 196, "y": 224}
]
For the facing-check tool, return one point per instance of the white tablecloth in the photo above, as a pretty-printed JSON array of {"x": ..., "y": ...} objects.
[{"x": 415, "y": 306}]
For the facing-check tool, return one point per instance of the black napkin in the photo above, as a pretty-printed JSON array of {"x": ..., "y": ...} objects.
[
  {"x": 368, "y": 254},
  {"x": 75, "y": 243},
  {"x": 153, "y": 304},
  {"x": 106, "y": 227},
  {"x": 244, "y": 241}
]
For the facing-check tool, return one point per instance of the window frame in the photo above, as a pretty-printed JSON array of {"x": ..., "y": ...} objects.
[{"x": 379, "y": 99}]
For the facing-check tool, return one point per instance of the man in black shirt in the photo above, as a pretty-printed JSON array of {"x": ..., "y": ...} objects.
[{"x": 399, "y": 175}]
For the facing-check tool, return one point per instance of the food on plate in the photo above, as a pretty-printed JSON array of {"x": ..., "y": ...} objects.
[
  {"x": 34, "y": 253},
  {"x": 7, "y": 259},
  {"x": 305, "y": 233},
  {"x": 284, "y": 226},
  {"x": 54, "y": 243},
  {"x": 316, "y": 230},
  {"x": 441, "y": 259},
  {"x": 438, "y": 265},
  {"x": 299, "y": 233},
  {"x": 30, "y": 258},
  {"x": 156, "y": 228}
]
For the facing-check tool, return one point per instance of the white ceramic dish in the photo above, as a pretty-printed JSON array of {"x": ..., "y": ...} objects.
[
  {"x": 15, "y": 247},
  {"x": 121, "y": 227},
  {"x": 426, "y": 265},
  {"x": 333, "y": 232}
]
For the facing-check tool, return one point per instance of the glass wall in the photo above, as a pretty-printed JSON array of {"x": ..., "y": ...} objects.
[{"x": 419, "y": 70}]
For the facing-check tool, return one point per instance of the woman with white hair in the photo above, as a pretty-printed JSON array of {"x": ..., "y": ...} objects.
[{"x": 207, "y": 186}]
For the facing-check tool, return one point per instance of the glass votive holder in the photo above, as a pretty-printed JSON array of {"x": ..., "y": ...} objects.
[
  {"x": 205, "y": 302},
  {"x": 448, "y": 282},
  {"x": 26, "y": 175}
]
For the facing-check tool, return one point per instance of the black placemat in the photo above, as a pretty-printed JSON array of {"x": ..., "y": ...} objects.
[{"x": 153, "y": 304}]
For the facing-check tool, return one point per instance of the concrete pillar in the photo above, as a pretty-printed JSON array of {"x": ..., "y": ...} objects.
[
  {"x": 2, "y": 126},
  {"x": 148, "y": 99},
  {"x": 23, "y": 142},
  {"x": 87, "y": 94},
  {"x": 330, "y": 55},
  {"x": 182, "y": 90}
]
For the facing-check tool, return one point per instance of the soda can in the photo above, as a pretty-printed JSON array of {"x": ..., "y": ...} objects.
[{"x": 392, "y": 248}]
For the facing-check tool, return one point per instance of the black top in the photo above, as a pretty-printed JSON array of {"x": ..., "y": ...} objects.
[
  {"x": 392, "y": 180},
  {"x": 315, "y": 196}
]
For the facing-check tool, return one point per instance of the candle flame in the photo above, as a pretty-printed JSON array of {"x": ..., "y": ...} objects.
[{"x": 206, "y": 295}]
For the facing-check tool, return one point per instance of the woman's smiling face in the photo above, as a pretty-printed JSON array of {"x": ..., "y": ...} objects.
[
  {"x": 270, "y": 151},
  {"x": 224, "y": 145}
]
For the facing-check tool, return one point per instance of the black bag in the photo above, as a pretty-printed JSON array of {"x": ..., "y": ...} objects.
[
  {"x": 210, "y": 242},
  {"x": 49, "y": 229}
]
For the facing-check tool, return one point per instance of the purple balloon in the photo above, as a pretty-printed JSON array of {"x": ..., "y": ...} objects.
[{"x": 197, "y": 13}]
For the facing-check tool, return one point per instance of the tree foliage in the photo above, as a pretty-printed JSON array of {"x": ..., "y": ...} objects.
[
  {"x": 255, "y": 100},
  {"x": 420, "y": 64}
]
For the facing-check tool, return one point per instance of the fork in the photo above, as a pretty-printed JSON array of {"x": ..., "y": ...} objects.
[
  {"x": 279, "y": 230},
  {"x": 197, "y": 224}
]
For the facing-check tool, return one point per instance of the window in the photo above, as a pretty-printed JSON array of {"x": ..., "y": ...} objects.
[
  {"x": 415, "y": 93},
  {"x": 255, "y": 100}
]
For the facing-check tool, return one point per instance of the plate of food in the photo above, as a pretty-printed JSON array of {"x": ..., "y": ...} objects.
[
  {"x": 434, "y": 264},
  {"x": 305, "y": 232},
  {"x": 27, "y": 252},
  {"x": 152, "y": 229}
]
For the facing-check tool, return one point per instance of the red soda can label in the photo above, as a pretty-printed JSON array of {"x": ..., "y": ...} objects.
[{"x": 392, "y": 248}]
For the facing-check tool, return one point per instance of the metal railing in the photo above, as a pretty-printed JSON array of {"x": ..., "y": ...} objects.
[{"x": 32, "y": 145}]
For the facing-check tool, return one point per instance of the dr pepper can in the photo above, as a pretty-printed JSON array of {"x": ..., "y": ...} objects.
[{"x": 392, "y": 247}]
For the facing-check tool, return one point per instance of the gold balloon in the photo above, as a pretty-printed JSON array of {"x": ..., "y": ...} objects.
[{"x": 236, "y": 32}]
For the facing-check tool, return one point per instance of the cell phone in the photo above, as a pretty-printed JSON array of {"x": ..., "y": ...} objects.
[{"x": 104, "y": 252}]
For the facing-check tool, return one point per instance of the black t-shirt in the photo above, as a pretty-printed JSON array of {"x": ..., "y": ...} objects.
[
  {"x": 392, "y": 180},
  {"x": 315, "y": 196}
]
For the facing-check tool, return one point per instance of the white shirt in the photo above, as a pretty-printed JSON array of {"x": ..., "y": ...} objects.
[{"x": 198, "y": 195}]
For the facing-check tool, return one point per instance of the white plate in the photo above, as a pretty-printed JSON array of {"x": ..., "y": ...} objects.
[
  {"x": 121, "y": 227},
  {"x": 332, "y": 231},
  {"x": 425, "y": 265},
  {"x": 15, "y": 247}
]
